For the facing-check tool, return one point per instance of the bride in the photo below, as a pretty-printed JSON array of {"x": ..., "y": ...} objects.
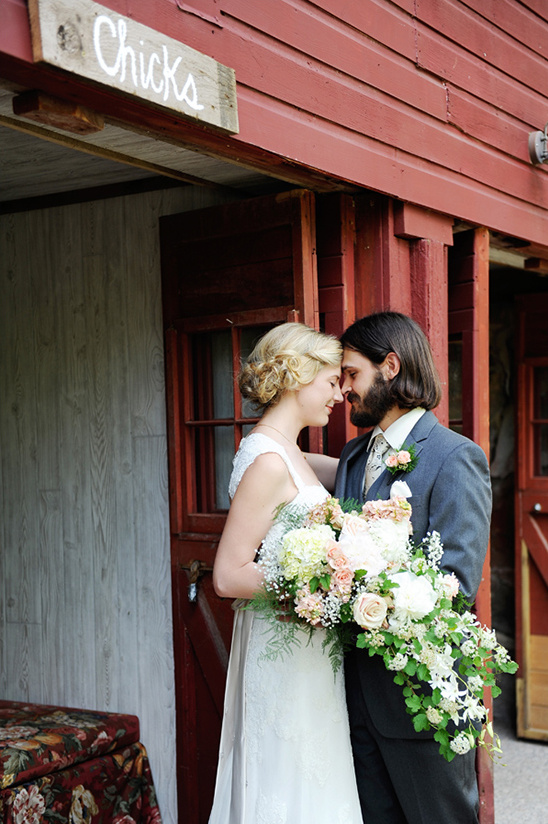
[{"x": 285, "y": 755}]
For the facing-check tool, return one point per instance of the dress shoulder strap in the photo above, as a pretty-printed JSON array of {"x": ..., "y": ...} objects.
[{"x": 250, "y": 448}]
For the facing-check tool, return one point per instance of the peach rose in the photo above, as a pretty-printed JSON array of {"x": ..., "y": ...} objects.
[
  {"x": 343, "y": 578},
  {"x": 403, "y": 457},
  {"x": 392, "y": 460},
  {"x": 369, "y": 610},
  {"x": 354, "y": 525}
]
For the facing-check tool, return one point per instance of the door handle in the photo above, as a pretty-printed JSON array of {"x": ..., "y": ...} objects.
[
  {"x": 537, "y": 507},
  {"x": 196, "y": 569}
]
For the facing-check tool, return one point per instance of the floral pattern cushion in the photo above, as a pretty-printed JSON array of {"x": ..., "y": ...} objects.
[
  {"x": 36, "y": 740},
  {"x": 115, "y": 788}
]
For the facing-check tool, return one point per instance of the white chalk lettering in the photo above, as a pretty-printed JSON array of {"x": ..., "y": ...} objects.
[{"x": 166, "y": 80}]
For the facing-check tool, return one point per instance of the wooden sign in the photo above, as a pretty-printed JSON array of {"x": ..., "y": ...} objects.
[{"x": 84, "y": 38}]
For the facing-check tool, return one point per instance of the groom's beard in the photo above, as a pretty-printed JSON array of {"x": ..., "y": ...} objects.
[{"x": 370, "y": 409}]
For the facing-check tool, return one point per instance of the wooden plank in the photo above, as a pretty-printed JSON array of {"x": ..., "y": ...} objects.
[
  {"x": 428, "y": 276},
  {"x": 383, "y": 23},
  {"x": 538, "y": 719},
  {"x": 538, "y": 689},
  {"x": 539, "y": 653},
  {"x": 437, "y": 187},
  {"x": 53, "y": 672},
  {"x": 153, "y": 618},
  {"x": 538, "y": 6},
  {"x": 466, "y": 71},
  {"x": 514, "y": 19},
  {"x": 74, "y": 229},
  {"x": 24, "y": 658},
  {"x": 454, "y": 22},
  {"x": 97, "y": 44},
  {"x": 18, "y": 432},
  {"x": 412, "y": 222},
  {"x": 14, "y": 29},
  {"x": 146, "y": 384},
  {"x": 331, "y": 42}
]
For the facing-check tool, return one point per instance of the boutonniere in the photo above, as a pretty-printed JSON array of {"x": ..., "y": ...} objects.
[{"x": 404, "y": 460}]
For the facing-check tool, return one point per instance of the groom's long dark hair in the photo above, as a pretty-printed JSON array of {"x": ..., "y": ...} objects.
[{"x": 376, "y": 335}]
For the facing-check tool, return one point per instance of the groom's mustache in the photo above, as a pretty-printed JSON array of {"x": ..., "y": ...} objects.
[{"x": 351, "y": 397}]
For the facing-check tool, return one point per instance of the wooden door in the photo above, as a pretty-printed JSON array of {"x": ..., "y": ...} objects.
[
  {"x": 532, "y": 518},
  {"x": 469, "y": 403},
  {"x": 229, "y": 273}
]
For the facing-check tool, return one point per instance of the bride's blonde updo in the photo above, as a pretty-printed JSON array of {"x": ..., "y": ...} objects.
[{"x": 286, "y": 358}]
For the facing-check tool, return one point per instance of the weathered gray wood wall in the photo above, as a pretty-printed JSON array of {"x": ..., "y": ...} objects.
[{"x": 85, "y": 598}]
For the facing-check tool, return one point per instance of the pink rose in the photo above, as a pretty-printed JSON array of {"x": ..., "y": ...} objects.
[
  {"x": 403, "y": 457},
  {"x": 392, "y": 460},
  {"x": 343, "y": 578},
  {"x": 354, "y": 525},
  {"x": 450, "y": 585},
  {"x": 369, "y": 610},
  {"x": 335, "y": 556}
]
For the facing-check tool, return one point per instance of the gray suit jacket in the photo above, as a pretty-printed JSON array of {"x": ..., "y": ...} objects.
[{"x": 451, "y": 493}]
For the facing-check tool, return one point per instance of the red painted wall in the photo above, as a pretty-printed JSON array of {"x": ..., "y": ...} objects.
[{"x": 429, "y": 101}]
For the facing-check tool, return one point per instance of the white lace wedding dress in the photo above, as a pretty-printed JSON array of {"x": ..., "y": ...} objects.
[{"x": 285, "y": 755}]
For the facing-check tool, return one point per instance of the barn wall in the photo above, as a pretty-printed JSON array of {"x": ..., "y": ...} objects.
[
  {"x": 85, "y": 585},
  {"x": 429, "y": 101}
]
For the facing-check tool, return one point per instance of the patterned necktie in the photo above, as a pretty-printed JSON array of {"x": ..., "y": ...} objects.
[{"x": 375, "y": 465}]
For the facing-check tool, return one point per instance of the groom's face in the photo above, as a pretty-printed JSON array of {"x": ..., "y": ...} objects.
[{"x": 366, "y": 389}]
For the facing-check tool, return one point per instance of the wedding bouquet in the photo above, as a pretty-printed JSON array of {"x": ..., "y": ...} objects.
[{"x": 344, "y": 565}]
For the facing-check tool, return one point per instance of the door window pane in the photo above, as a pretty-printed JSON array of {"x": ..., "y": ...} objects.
[
  {"x": 455, "y": 385},
  {"x": 224, "y": 453},
  {"x": 541, "y": 393},
  {"x": 222, "y": 366},
  {"x": 541, "y": 448},
  {"x": 216, "y": 357}
]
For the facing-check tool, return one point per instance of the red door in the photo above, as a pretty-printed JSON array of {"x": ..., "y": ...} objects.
[
  {"x": 229, "y": 273},
  {"x": 532, "y": 518}
]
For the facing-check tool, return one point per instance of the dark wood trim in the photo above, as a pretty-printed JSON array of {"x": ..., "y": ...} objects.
[{"x": 132, "y": 187}]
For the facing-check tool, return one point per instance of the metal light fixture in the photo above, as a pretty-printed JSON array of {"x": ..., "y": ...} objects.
[{"x": 538, "y": 146}]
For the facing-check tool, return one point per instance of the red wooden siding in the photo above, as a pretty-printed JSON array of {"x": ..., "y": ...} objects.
[{"x": 430, "y": 102}]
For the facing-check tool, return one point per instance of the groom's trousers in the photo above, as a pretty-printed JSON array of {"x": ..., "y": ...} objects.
[{"x": 406, "y": 780}]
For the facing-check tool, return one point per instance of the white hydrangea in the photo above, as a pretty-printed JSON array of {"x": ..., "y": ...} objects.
[
  {"x": 461, "y": 744},
  {"x": 398, "y": 662},
  {"x": 468, "y": 647},
  {"x": 303, "y": 552},
  {"x": 433, "y": 715}
]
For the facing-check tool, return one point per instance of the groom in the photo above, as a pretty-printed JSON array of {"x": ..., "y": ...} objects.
[{"x": 391, "y": 382}]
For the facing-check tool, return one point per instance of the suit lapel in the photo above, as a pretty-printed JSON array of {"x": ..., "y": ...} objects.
[{"x": 418, "y": 435}]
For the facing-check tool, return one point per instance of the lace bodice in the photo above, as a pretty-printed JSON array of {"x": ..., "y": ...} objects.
[{"x": 308, "y": 495}]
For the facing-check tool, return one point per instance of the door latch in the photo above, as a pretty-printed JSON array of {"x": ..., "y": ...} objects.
[{"x": 195, "y": 569}]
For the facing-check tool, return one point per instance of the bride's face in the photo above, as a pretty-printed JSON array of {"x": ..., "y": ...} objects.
[{"x": 317, "y": 398}]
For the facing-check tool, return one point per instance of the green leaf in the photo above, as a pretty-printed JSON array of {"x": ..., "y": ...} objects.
[
  {"x": 411, "y": 667},
  {"x": 314, "y": 584},
  {"x": 421, "y": 722}
]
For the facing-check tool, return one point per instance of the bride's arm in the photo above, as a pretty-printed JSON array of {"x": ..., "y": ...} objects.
[
  {"x": 325, "y": 467},
  {"x": 265, "y": 485}
]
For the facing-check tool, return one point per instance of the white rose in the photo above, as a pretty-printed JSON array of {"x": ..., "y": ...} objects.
[
  {"x": 369, "y": 610},
  {"x": 363, "y": 552},
  {"x": 414, "y": 597}
]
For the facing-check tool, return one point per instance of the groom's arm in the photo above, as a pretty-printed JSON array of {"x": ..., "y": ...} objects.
[{"x": 460, "y": 510}]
